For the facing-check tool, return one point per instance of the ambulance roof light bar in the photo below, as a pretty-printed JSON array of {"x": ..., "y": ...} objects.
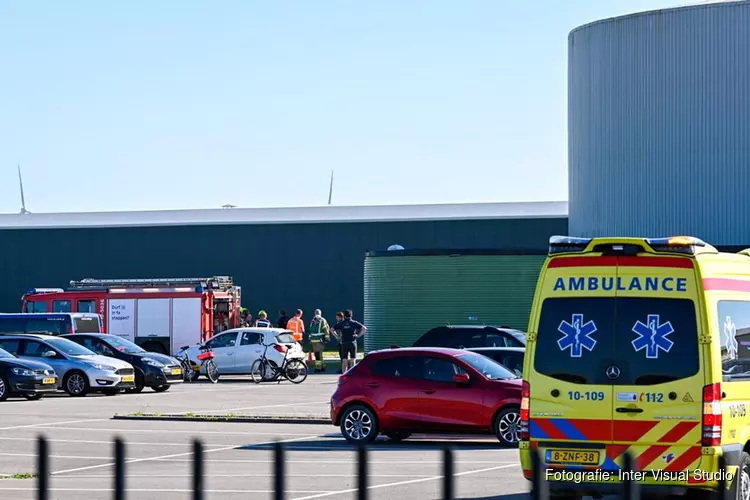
[
  {"x": 679, "y": 244},
  {"x": 567, "y": 244},
  {"x": 214, "y": 283}
]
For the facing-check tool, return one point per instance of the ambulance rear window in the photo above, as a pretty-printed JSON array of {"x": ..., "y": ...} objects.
[{"x": 649, "y": 340}]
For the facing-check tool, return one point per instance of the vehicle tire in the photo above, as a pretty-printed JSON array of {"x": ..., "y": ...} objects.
[
  {"x": 257, "y": 370},
  {"x": 212, "y": 371},
  {"x": 507, "y": 426},
  {"x": 359, "y": 424},
  {"x": 161, "y": 388},
  {"x": 76, "y": 384},
  {"x": 36, "y": 396},
  {"x": 111, "y": 392},
  {"x": 296, "y": 371},
  {"x": 139, "y": 383},
  {"x": 397, "y": 437},
  {"x": 741, "y": 486},
  {"x": 4, "y": 389}
]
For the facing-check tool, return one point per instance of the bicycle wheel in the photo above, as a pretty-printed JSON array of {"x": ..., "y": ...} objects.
[
  {"x": 296, "y": 371},
  {"x": 257, "y": 370},
  {"x": 212, "y": 371},
  {"x": 187, "y": 370}
]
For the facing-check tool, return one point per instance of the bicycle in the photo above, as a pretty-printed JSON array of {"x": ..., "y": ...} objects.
[
  {"x": 190, "y": 372},
  {"x": 266, "y": 370}
]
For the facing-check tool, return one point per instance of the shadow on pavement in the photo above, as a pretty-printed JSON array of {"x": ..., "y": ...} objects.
[
  {"x": 511, "y": 496},
  {"x": 384, "y": 444}
]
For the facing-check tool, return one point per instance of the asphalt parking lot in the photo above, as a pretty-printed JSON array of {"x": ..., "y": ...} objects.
[{"x": 320, "y": 464}]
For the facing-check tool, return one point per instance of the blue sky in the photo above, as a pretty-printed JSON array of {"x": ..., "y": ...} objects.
[{"x": 168, "y": 104}]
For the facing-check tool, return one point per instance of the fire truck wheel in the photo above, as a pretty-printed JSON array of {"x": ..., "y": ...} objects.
[
  {"x": 139, "y": 385},
  {"x": 76, "y": 383}
]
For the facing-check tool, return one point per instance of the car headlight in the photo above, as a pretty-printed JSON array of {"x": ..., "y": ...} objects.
[
  {"x": 105, "y": 368},
  {"x": 23, "y": 372},
  {"x": 154, "y": 362}
]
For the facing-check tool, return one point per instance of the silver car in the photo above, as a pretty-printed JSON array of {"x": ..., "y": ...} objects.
[{"x": 79, "y": 370}]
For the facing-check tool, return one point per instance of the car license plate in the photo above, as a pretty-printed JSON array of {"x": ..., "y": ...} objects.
[
  {"x": 176, "y": 371},
  {"x": 48, "y": 381},
  {"x": 577, "y": 457},
  {"x": 128, "y": 378}
]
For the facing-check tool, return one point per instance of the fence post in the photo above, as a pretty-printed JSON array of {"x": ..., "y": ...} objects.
[
  {"x": 448, "y": 488},
  {"x": 42, "y": 469},
  {"x": 197, "y": 470},
  {"x": 538, "y": 479},
  {"x": 362, "y": 473},
  {"x": 630, "y": 487},
  {"x": 722, "y": 486},
  {"x": 278, "y": 471},
  {"x": 119, "y": 469}
]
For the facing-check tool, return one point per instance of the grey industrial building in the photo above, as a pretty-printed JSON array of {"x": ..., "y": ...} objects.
[{"x": 659, "y": 144}]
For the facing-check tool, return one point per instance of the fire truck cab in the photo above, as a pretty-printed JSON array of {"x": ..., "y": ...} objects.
[{"x": 159, "y": 314}]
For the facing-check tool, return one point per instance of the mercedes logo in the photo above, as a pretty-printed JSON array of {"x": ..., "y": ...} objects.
[{"x": 613, "y": 372}]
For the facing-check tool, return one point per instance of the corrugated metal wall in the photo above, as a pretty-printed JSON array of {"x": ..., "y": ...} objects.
[
  {"x": 659, "y": 134},
  {"x": 278, "y": 266},
  {"x": 405, "y": 296}
]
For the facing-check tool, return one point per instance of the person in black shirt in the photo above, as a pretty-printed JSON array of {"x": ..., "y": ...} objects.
[
  {"x": 283, "y": 320},
  {"x": 349, "y": 331}
]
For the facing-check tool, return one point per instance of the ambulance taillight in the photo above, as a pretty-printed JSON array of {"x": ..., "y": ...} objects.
[
  {"x": 711, "y": 432},
  {"x": 525, "y": 409}
]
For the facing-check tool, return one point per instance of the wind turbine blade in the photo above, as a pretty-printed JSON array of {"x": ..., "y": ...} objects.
[
  {"x": 330, "y": 189},
  {"x": 20, "y": 183}
]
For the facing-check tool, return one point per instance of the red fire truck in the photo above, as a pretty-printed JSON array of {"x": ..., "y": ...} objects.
[{"x": 159, "y": 314}]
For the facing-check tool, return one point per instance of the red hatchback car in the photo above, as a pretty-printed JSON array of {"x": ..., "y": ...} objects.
[{"x": 427, "y": 390}]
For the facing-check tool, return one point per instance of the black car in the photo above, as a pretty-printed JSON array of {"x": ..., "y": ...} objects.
[
  {"x": 466, "y": 337},
  {"x": 153, "y": 370},
  {"x": 509, "y": 357},
  {"x": 30, "y": 379}
]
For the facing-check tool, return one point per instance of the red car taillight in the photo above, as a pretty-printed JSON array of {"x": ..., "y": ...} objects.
[
  {"x": 280, "y": 348},
  {"x": 525, "y": 408},
  {"x": 343, "y": 379},
  {"x": 70, "y": 329},
  {"x": 711, "y": 434}
]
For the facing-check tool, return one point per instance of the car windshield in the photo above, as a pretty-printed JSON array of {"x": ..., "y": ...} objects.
[
  {"x": 487, "y": 367},
  {"x": 122, "y": 345},
  {"x": 5, "y": 354},
  {"x": 87, "y": 324},
  {"x": 652, "y": 340},
  {"x": 518, "y": 335},
  {"x": 68, "y": 347},
  {"x": 285, "y": 338}
]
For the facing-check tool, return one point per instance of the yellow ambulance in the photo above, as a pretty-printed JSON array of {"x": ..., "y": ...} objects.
[{"x": 640, "y": 346}]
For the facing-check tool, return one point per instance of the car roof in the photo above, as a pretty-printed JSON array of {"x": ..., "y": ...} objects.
[
  {"x": 258, "y": 329},
  {"x": 487, "y": 349},
  {"x": 29, "y": 336},
  {"x": 87, "y": 335},
  {"x": 420, "y": 350},
  {"x": 482, "y": 327}
]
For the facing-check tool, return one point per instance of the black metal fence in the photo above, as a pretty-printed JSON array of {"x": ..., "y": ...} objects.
[{"x": 628, "y": 489}]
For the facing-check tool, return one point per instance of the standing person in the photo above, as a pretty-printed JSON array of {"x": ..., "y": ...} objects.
[
  {"x": 337, "y": 334},
  {"x": 350, "y": 330},
  {"x": 283, "y": 319},
  {"x": 297, "y": 326},
  {"x": 319, "y": 332},
  {"x": 262, "y": 320}
]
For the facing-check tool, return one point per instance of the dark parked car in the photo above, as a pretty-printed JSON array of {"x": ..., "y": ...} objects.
[
  {"x": 153, "y": 370},
  {"x": 465, "y": 337},
  {"x": 30, "y": 379},
  {"x": 510, "y": 357},
  {"x": 400, "y": 391}
]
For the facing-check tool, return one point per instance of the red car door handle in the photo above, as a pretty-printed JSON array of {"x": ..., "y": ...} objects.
[
  {"x": 428, "y": 391},
  {"x": 372, "y": 385}
]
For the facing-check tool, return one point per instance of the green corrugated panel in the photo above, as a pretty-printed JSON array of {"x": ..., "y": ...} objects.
[{"x": 407, "y": 295}]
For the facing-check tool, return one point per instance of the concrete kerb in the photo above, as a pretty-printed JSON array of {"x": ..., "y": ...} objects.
[{"x": 244, "y": 419}]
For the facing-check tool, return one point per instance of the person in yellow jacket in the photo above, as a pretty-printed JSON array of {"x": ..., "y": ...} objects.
[
  {"x": 319, "y": 334},
  {"x": 297, "y": 326}
]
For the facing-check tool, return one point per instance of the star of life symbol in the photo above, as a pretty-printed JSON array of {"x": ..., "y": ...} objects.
[
  {"x": 652, "y": 336},
  {"x": 576, "y": 335},
  {"x": 730, "y": 334}
]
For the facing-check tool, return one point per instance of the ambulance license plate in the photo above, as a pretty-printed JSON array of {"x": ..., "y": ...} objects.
[
  {"x": 576, "y": 457},
  {"x": 48, "y": 381},
  {"x": 128, "y": 378},
  {"x": 176, "y": 371}
]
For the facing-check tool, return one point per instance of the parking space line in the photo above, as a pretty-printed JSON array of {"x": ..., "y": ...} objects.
[
  {"x": 129, "y": 443},
  {"x": 140, "y": 490},
  {"x": 269, "y": 474},
  {"x": 344, "y": 462},
  {"x": 52, "y": 456},
  {"x": 311, "y": 403},
  {"x": 403, "y": 483},
  {"x": 172, "y": 431},
  {"x": 31, "y": 426},
  {"x": 177, "y": 455}
]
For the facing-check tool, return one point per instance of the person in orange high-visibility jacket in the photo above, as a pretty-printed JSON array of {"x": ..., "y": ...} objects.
[{"x": 297, "y": 326}]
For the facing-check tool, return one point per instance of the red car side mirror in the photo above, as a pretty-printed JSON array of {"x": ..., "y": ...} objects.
[{"x": 462, "y": 378}]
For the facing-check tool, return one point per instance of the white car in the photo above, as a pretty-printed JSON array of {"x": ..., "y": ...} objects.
[{"x": 237, "y": 349}]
